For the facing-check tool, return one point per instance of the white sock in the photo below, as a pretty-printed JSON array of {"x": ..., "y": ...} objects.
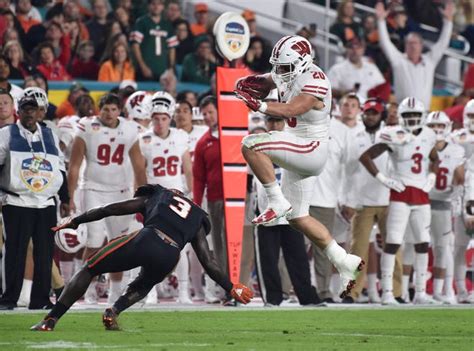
[
  {"x": 335, "y": 253},
  {"x": 78, "y": 263},
  {"x": 372, "y": 283},
  {"x": 448, "y": 285},
  {"x": 25, "y": 293},
  {"x": 182, "y": 272},
  {"x": 274, "y": 193},
  {"x": 115, "y": 287},
  {"x": 405, "y": 285},
  {"x": 438, "y": 286},
  {"x": 387, "y": 264},
  {"x": 335, "y": 284},
  {"x": 448, "y": 278},
  {"x": 421, "y": 271},
  {"x": 66, "y": 268},
  {"x": 195, "y": 273}
]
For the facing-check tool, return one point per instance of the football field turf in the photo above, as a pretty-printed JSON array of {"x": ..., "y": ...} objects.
[{"x": 237, "y": 329}]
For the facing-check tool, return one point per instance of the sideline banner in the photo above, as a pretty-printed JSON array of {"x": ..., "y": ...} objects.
[{"x": 233, "y": 126}]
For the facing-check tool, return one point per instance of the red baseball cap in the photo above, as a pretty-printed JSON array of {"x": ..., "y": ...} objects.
[{"x": 372, "y": 104}]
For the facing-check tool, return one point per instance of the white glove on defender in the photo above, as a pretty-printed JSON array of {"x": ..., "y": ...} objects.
[
  {"x": 429, "y": 183},
  {"x": 390, "y": 183}
]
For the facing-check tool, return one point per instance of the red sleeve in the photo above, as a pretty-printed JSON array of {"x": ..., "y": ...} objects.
[
  {"x": 469, "y": 77},
  {"x": 199, "y": 173},
  {"x": 65, "y": 55}
]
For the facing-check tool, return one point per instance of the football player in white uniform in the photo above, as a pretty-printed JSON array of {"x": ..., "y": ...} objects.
[
  {"x": 166, "y": 152},
  {"x": 183, "y": 117},
  {"x": 450, "y": 174},
  {"x": 415, "y": 162},
  {"x": 464, "y": 219},
  {"x": 304, "y": 93},
  {"x": 138, "y": 109},
  {"x": 109, "y": 145}
]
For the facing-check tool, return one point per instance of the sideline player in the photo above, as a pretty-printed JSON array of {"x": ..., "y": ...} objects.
[
  {"x": 450, "y": 174},
  {"x": 138, "y": 109},
  {"x": 170, "y": 221},
  {"x": 304, "y": 93},
  {"x": 415, "y": 162}
]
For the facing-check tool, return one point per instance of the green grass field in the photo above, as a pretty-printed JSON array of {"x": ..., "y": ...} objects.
[{"x": 302, "y": 329}]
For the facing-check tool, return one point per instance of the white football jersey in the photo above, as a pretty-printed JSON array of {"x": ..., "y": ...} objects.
[
  {"x": 107, "y": 153},
  {"x": 410, "y": 153},
  {"x": 466, "y": 139},
  {"x": 194, "y": 136},
  {"x": 67, "y": 129},
  {"x": 313, "y": 124},
  {"x": 164, "y": 157},
  {"x": 451, "y": 157}
]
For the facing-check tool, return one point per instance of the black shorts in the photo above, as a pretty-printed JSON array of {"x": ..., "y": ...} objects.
[{"x": 145, "y": 249}]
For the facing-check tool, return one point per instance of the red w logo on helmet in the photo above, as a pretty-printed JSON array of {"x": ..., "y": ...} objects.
[
  {"x": 71, "y": 239},
  {"x": 302, "y": 47},
  {"x": 136, "y": 100}
]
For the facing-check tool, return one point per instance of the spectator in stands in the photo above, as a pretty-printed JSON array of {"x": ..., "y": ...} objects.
[
  {"x": 345, "y": 27},
  {"x": 48, "y": 65},
  {"x": 185, "y": 39},
  {"x": 257, "y": 56},
  {"x": 119, "y": 67},
  {"x": 426, "y": 12},
  {"x": 198, "y": 67},
  {"x": 37, "y": 33},
  {"x": 19, "y": 66},
  {"x": 413, "y": 71},
  {"x": 123, "y": 19},
  {"x": 38, "y": 80},
  {"x": 11, "y": 22},
  {"x": 469, "y": 80},
  {"x": 111, "y": 42},
  {"x": 67, "y": 107},
  {"x": 189, "y": 96},
  {"x": 173, "y": 12},
  {"x": 201, "y": 14},
  {"x": 60, "y": 41},
  {"x": 356, "y": 73},
  {"x": 153, "y": 50},
  {"x": 7, "y": 109},
  {"x": 397, "y": 25},
  {"x": 27, "y": 14},
  {"x": 15, "y": 91},
  {"x": 251, "y": 20},
  {"x": 72, "y": 29},
  {"x": 83, "y": 65},
  {"x": 10, "y": 35},
  {"x": 97, "y": 26}
]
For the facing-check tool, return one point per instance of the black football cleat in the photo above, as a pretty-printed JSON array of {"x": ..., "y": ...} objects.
[
  {"x": 46, "y": 324},
  {"x": 109, "y": 320}
]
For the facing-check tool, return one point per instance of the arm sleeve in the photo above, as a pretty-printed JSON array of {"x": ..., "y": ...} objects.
[
  {"x": 438, "y": 49},
  {"x": 390, "y": 51},
  {"x": 315, "y": 84},
  {"x": 199, "y": 176},
  {"x": 136, "y": 35}
]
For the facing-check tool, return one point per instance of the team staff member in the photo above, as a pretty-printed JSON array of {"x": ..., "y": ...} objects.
[
  {"x": 32, "y": 173},
  {"x": 170, "y": 222}
]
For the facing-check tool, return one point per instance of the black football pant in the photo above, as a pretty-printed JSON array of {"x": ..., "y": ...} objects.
[
  {"x": 19, "y": 225},
  {"x": 268, "y": 242}
]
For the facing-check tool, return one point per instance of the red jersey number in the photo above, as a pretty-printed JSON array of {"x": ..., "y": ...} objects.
[
  {"x": 105, "y": 155},
  {"x": 319, "y": 75},
  {"x": 442, "y": 179},
  {"x": 417, "y": 158},
  {"x": 165, "y": 166}
]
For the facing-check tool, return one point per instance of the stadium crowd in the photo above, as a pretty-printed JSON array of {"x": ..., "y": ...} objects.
[{"x": 171, "y": 137}]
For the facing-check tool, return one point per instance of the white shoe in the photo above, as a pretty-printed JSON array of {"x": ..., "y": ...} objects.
[
  {"x": 209, "y": 297},
  {"x": 22, "y": 302},
  {"x": 349, "y": 270},
  {"x": 388, "y": 299},
  {"x": 465, "y": 297},
  {"x": 273, "y": 212},
  {"x": 362, "y": 299},
  {"x": 184, "y": 300},
  {"x": 425, "y": 299},
  {"x": 152, "y": 297},
  {"x": 374, "y": 297},
  {"x": 91, "y": 297}
]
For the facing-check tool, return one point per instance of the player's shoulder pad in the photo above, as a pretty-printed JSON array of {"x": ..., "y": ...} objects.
[
  {"x": 314, "y": 82},
  {"x": 84, "y": 124},
  {"x": 394, "y": 135}
]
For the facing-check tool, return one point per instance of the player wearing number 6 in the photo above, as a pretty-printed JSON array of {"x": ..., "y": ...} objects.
[
  {"x": 304, "y": 95},
  {"x": 170, "y": 221},
  {"x": 109, "y": 144},
  {"x": 411, "y": 147}
]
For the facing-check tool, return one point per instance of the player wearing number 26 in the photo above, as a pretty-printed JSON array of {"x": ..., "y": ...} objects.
[
  {"x": 108, "y": 143},
  {"x": 411, "y": 147},
  {"x": 170, "y": 222}
]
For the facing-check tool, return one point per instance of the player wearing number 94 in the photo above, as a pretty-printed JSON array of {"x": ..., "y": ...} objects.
[{"x": 170, "y": 221}]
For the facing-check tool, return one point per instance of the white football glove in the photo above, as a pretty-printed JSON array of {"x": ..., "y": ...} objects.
[
  {"x": 390, "y": 183},
  {"x": 429, "y": 183}
]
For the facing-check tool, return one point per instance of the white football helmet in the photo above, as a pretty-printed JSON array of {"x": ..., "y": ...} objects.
[
  {"x": 468, "y": 116},
  {"x": 411, "y": 112},
  {"x": 291, "y": 56},
  {"x": 70, "y": 240},
  {"x": 437, "y": 118},
  {"x": 39, "y": 94},
  {"x": 162, "y": 102},
  {"x": 138, "y": 105}
]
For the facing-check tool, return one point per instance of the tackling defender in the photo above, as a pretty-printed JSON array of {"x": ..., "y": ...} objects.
[
  {"x": 300, "y": 150},
  {"x": 170, "y": 221}
]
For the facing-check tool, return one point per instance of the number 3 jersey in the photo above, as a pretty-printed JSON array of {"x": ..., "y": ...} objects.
[
  {"x": 164, "y": 157},
  {"x": 410, "y": 154},
  {"x": 108, "y": 161},
  {"x": 173, "y": 214}
]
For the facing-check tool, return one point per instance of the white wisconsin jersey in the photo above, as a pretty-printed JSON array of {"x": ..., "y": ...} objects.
[
  {"x": 194, "y": 136},
  {"x": 67, "y": 129},
  {"x": 140, "y": 128},
  {"x": 465, "y": 138},
  {"x": 366, "y": 190},
  {"x": 107, "y": 153},
  {"x": 164, "y": 157},
  {"x": 313, "y": 124},
  {"x": 410, "y": 154},
  {"x": 451, "y": 157}
]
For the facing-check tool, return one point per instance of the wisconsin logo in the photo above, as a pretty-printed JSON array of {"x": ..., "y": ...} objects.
[{"x": 36, "y": 181}]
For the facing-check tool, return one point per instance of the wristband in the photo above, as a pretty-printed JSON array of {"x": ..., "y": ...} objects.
[
  {"x": 263, "y": 107},
  {"x": 381, "y": 177}
]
